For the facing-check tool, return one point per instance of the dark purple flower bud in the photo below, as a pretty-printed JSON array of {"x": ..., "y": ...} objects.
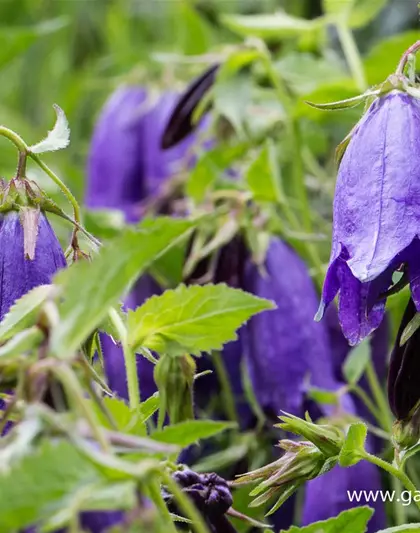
[
  {"x": 18, "y": 273},
  {"x": 328, "y": 495},
  {"x": 404, "y": 370},
  {"x": 181, "y": 123},
  {"x": 286, "y": 347},
  {"x": 209, "y": 492},
  {"x": 376, "y": 214}
]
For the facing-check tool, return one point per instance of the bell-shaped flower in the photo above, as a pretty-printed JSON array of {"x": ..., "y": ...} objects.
[
  {"x": 22, "y": 269},
  {"x": 376, "y": 214}
]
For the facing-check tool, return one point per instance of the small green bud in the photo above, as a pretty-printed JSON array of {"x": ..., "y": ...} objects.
[
  {"x": 174, "y": 377},
  {"x": 329, "y": 439},
  {"x": 405, "y": 433}
]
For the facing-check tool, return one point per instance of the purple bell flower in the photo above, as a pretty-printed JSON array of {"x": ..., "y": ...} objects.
[
  {"x": 18, "y": 273},
  {"x": 285, "y": 352},
  {"x": 287, "y": 337},
  {"x": 127, "y": 167},
  {"x": 376, "y": 214}
]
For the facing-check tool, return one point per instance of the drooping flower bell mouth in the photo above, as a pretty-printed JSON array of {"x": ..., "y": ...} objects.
[{"x": 376, "y": 214}]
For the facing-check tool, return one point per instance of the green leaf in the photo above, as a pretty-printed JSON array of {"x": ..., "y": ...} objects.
[
  {"x": 35, "y": 487},
  {"x": 189, "y": 432},
  {"x": 232, "y": 95},
  {"x": 127, "y": 420},
  {"x": 410, "y": 329},
  {"x": 356, "y": 361},
  {"x": 351, "y": 521},
  {"x": 58, "y": 138},
  {"x": 263, "y": 176},
  {"x": 192, "y": 319},
  {"x": 354, "y": 445},
  {"x": 405, "y": 528},
  {"x": 356, "y": 13},
  {"x": 385, "y": 54},
  {"x": 89, "y": 289},
  {"x": 271, "y": 27},
  {"x": 323, "y": 396},
  {"x": 22, "y": 342},
  {"x": 201, "y": 177},
  {"x": 24, "y": 312}
]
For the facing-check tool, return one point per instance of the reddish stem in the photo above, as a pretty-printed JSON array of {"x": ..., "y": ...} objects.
[{"x": 403, "y": 62}]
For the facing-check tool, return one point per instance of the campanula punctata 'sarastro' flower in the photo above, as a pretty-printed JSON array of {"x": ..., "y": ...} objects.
[{"x": 376, "y": 214}]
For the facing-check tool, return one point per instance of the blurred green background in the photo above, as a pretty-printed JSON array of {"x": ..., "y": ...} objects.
[{"x": 75, "y": 52}]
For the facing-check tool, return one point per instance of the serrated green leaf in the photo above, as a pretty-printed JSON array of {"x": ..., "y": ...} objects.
[
  {"x": 354, "y": 445},
  {"x": 58, "y": 138},
  {"x": 271, "y": 27},
  {"x": 24, "y": 312},
  {"x": 263, "y": 176},
  {"x": 191, "y": 431},
  {"x": 356, "y": 361},
  {"x": 35, "y": 487},
  {"x": 351, "y": 521},
  {"x": 89, "y": 289},
  {"x": 192, "y": 319}
]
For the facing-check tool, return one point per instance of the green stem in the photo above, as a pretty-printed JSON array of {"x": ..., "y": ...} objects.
[
  {"x": 352, "y": 55},
  {"x": 378, "y": 394},
  {"x": 67, "y": 192},
  {"x": 185, "y": 505},
  {"x": 358, "y": 391},
  {"x": 226, "y": 390},
  {"x": 295, "y": 136},
  {"x": 15, "y": 139},
  {"x": 412, "y": 50},
  {"x": 399, "y": 510},
  {"x": 395, "y": 472},
  {"x": 129, "y": 360},
  {"x": 156, "y": 496},
  {"x": 76, "y": 393}
]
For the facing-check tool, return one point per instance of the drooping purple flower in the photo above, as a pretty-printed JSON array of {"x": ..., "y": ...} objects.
[
  {"x": 126, "y": 164},
  {"x": 285, "y": 351},
  {"x": 19, "y": 274},
  {"x": 376, "y": 214},
  {"x": 285, "y": 347}
]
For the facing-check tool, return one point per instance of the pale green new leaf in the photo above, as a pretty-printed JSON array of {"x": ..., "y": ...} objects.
[
  {"x": 24, "y": 312},
  {"x": 89, "y": 289},
  {"x": 191, "y": 431},
  {"x": 351, "y": 521},
  {"x": 192, "y": 319},
  {"x": 356, "y": 13},
  {"x": 58, "y": 138}
]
